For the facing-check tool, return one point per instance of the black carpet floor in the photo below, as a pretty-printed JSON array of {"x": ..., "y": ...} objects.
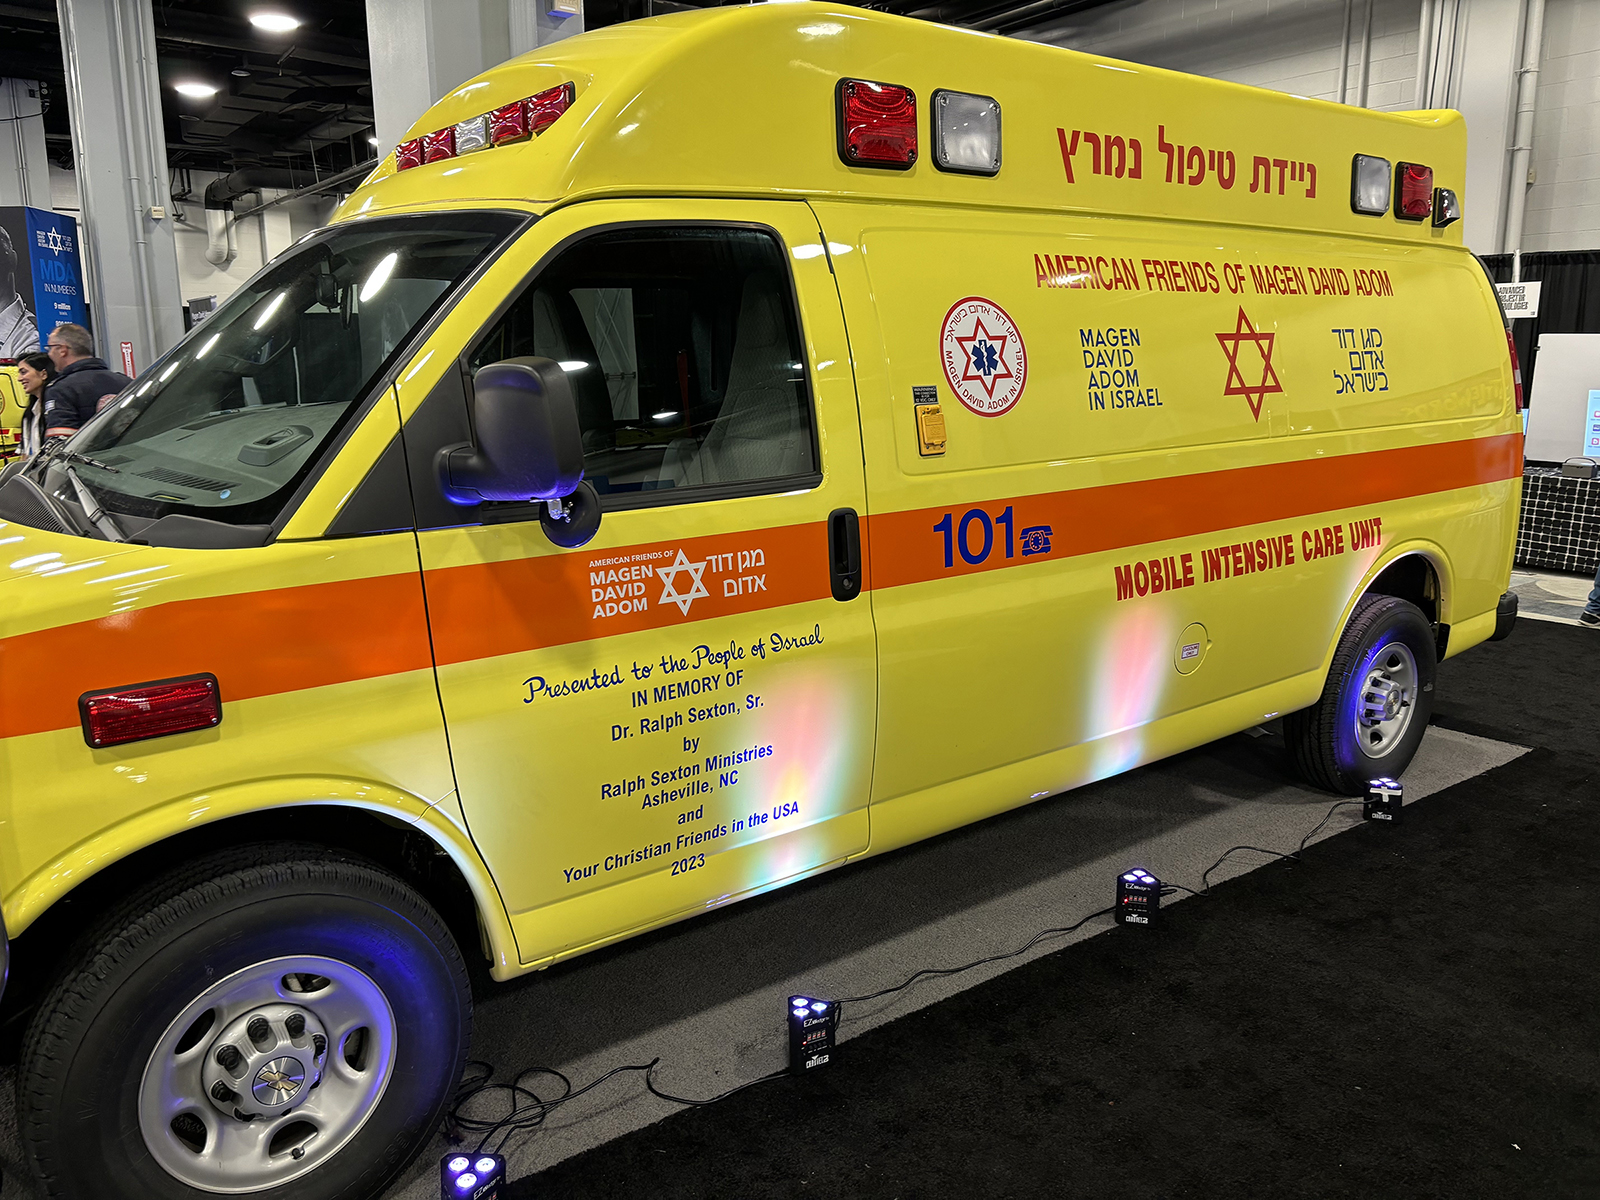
[{"x": 1411, "y": 1011}]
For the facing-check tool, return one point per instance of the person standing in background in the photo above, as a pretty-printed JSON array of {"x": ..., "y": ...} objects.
[
  {"x": 34, "y": 372},
  {"x": 19, "y": 332},
  {"x": 82, "y": 381}
]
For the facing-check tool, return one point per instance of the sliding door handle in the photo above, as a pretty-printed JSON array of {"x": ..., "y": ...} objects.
[{"x": 844, "y": 553}]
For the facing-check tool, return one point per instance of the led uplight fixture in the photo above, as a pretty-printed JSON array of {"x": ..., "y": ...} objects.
[
  {"x": 1383, "y": 800},
  {"x": 471, "y": 1176},
  {"x": 1138, "y": 897},
  {"x": 812, "y": 1024}
]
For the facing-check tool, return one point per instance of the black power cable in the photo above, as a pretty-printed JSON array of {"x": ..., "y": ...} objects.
[
  {"x": 1061, "y": 931},
  {"x": 528, "y": 1109}
]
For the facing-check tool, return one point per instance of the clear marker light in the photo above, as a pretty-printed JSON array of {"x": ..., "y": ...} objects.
[
  {"x": 472, "y": 134},
  {"x": 380, "y": 276},
  {"x": 267, "y": 313}
]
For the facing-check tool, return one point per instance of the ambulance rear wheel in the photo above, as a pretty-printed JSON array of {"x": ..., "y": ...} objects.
[
  {"x": 1376, "y": 703},
  {"x": 272, "y": 1022}
]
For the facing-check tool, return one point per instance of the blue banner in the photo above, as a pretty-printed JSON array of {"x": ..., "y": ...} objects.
[{"x": 57, "y": 270}]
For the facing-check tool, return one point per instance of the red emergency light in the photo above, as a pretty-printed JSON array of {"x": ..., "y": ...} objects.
[
  {"x": 1414, "y": 195},
  {"x": 544, "y": 108},
  {"x": 513, "y": 122},
  {"x": 439, "y": 145},
  {"x": 877, "y": 124},
  {"x": 147, "y": 710}
]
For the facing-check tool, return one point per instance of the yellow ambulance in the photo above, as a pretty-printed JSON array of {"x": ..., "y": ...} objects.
[
  {"x": 715, "y": 449},
  {"x": 13, "y": 404}
]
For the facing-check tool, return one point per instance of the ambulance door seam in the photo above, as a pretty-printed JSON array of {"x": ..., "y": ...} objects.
[
  {"x": 433, "y": 655},
  {"x": 866, "y": 513}
]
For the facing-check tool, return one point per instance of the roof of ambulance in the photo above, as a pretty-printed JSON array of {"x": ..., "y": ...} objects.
[{"x": 740, "y": 101}]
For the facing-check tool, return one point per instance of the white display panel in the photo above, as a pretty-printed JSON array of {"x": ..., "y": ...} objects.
[{"x": 1564, "y": 402}]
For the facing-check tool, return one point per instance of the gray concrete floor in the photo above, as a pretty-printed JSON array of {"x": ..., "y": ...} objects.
[
  {"x": 1550, "y": 595},
  {"x": 708, "y": 996}
]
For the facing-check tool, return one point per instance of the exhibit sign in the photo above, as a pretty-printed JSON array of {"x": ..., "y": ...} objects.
[
  {"x": 41, "y": 278},
  {"x": 57, "y": 269},
  {"x": 1519, "y": 299},
  {"x": 1564, "y": 399}
]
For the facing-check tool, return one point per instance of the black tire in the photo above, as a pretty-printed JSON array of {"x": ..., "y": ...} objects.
[
  {"x": 87, "y": 1048},
  {"x": 1323, "y": 739}
]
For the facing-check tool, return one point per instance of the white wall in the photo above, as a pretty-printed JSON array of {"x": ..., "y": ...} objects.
[
  {"x": 1564, "y": 201},
  {"x": 259, "y": 238},
  {"x": 1293, "y": 46},
  {"x": 1289, "y": 45}
]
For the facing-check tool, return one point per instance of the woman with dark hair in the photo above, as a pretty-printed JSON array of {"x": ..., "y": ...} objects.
[{"x": 34, "y": 371}]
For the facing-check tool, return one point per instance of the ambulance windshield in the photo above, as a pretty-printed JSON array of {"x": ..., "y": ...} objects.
[{"x": 237, "y": 416}]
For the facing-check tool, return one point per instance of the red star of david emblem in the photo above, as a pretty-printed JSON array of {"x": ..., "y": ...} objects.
[
  {"x": 994, "y": 357},
  {"x": 1232, "y": 344}
]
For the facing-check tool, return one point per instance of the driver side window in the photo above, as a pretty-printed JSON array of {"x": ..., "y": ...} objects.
[{"x": 684, "y": 354}]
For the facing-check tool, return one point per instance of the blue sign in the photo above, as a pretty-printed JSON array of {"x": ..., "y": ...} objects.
[{"x": 57, "y": 270}]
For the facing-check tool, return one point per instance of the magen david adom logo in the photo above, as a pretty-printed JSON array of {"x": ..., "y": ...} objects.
[{"x": 984, "y": 359}]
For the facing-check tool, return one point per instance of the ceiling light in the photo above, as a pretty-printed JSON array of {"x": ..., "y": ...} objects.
[
  {"x": 373, "y": 139},
  {"x": 242, "y": 72},
  {"x": 274, "y": 22},
  {"x": 195, "y": 90}
]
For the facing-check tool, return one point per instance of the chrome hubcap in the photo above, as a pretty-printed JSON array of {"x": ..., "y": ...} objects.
[
  {"x": 265, "y": 1062},
  {"x": 267, "y": 1074},
  {"x": 1386, "y": 699}
]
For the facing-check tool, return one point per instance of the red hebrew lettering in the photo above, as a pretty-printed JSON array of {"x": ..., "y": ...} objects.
[
  {"x": 1067, "y": 151},
  {"x": 1225, "y": 169},
  {"x": 1094, "y": 140},
  {"x": 1283, "y": 165},
  {"x": 1197, "y": 165},
  {"x": 1166, "y": 148},
  {"x": 1260, "y": 174},
  {"x": 1136, "y": 171},
  {"x": 1120, "y": 158},
  {"x": 1311, "y": 171}
]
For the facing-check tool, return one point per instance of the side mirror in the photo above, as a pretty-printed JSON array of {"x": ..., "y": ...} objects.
[{"x": 529, "y": 442}]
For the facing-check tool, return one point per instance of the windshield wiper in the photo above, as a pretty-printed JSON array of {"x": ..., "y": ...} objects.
[
  {"x": 79, "y": 456},
  {"x": 98, "y": 517}
]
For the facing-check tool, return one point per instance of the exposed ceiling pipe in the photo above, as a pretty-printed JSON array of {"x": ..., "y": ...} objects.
[
  {"x": 1029, "y": 15},
  {"x": 1344, "y": 56},
  {"x": 1425, "y": 38},
  {"x": 1522, "y": 137},
  {"x": 222, "y": 245},
  {"x": 222, "y": 191},
  {"x": 327, "y": 185},
  {"x": 1366, "y": 56}
]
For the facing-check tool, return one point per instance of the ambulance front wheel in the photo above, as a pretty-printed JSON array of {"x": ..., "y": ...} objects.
[
  {"x": 1376, "y": 703},
  {"x": 272, "y": 1022}
]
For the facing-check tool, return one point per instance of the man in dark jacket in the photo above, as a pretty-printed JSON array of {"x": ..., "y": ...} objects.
[{"x": 81, "y": 383}]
